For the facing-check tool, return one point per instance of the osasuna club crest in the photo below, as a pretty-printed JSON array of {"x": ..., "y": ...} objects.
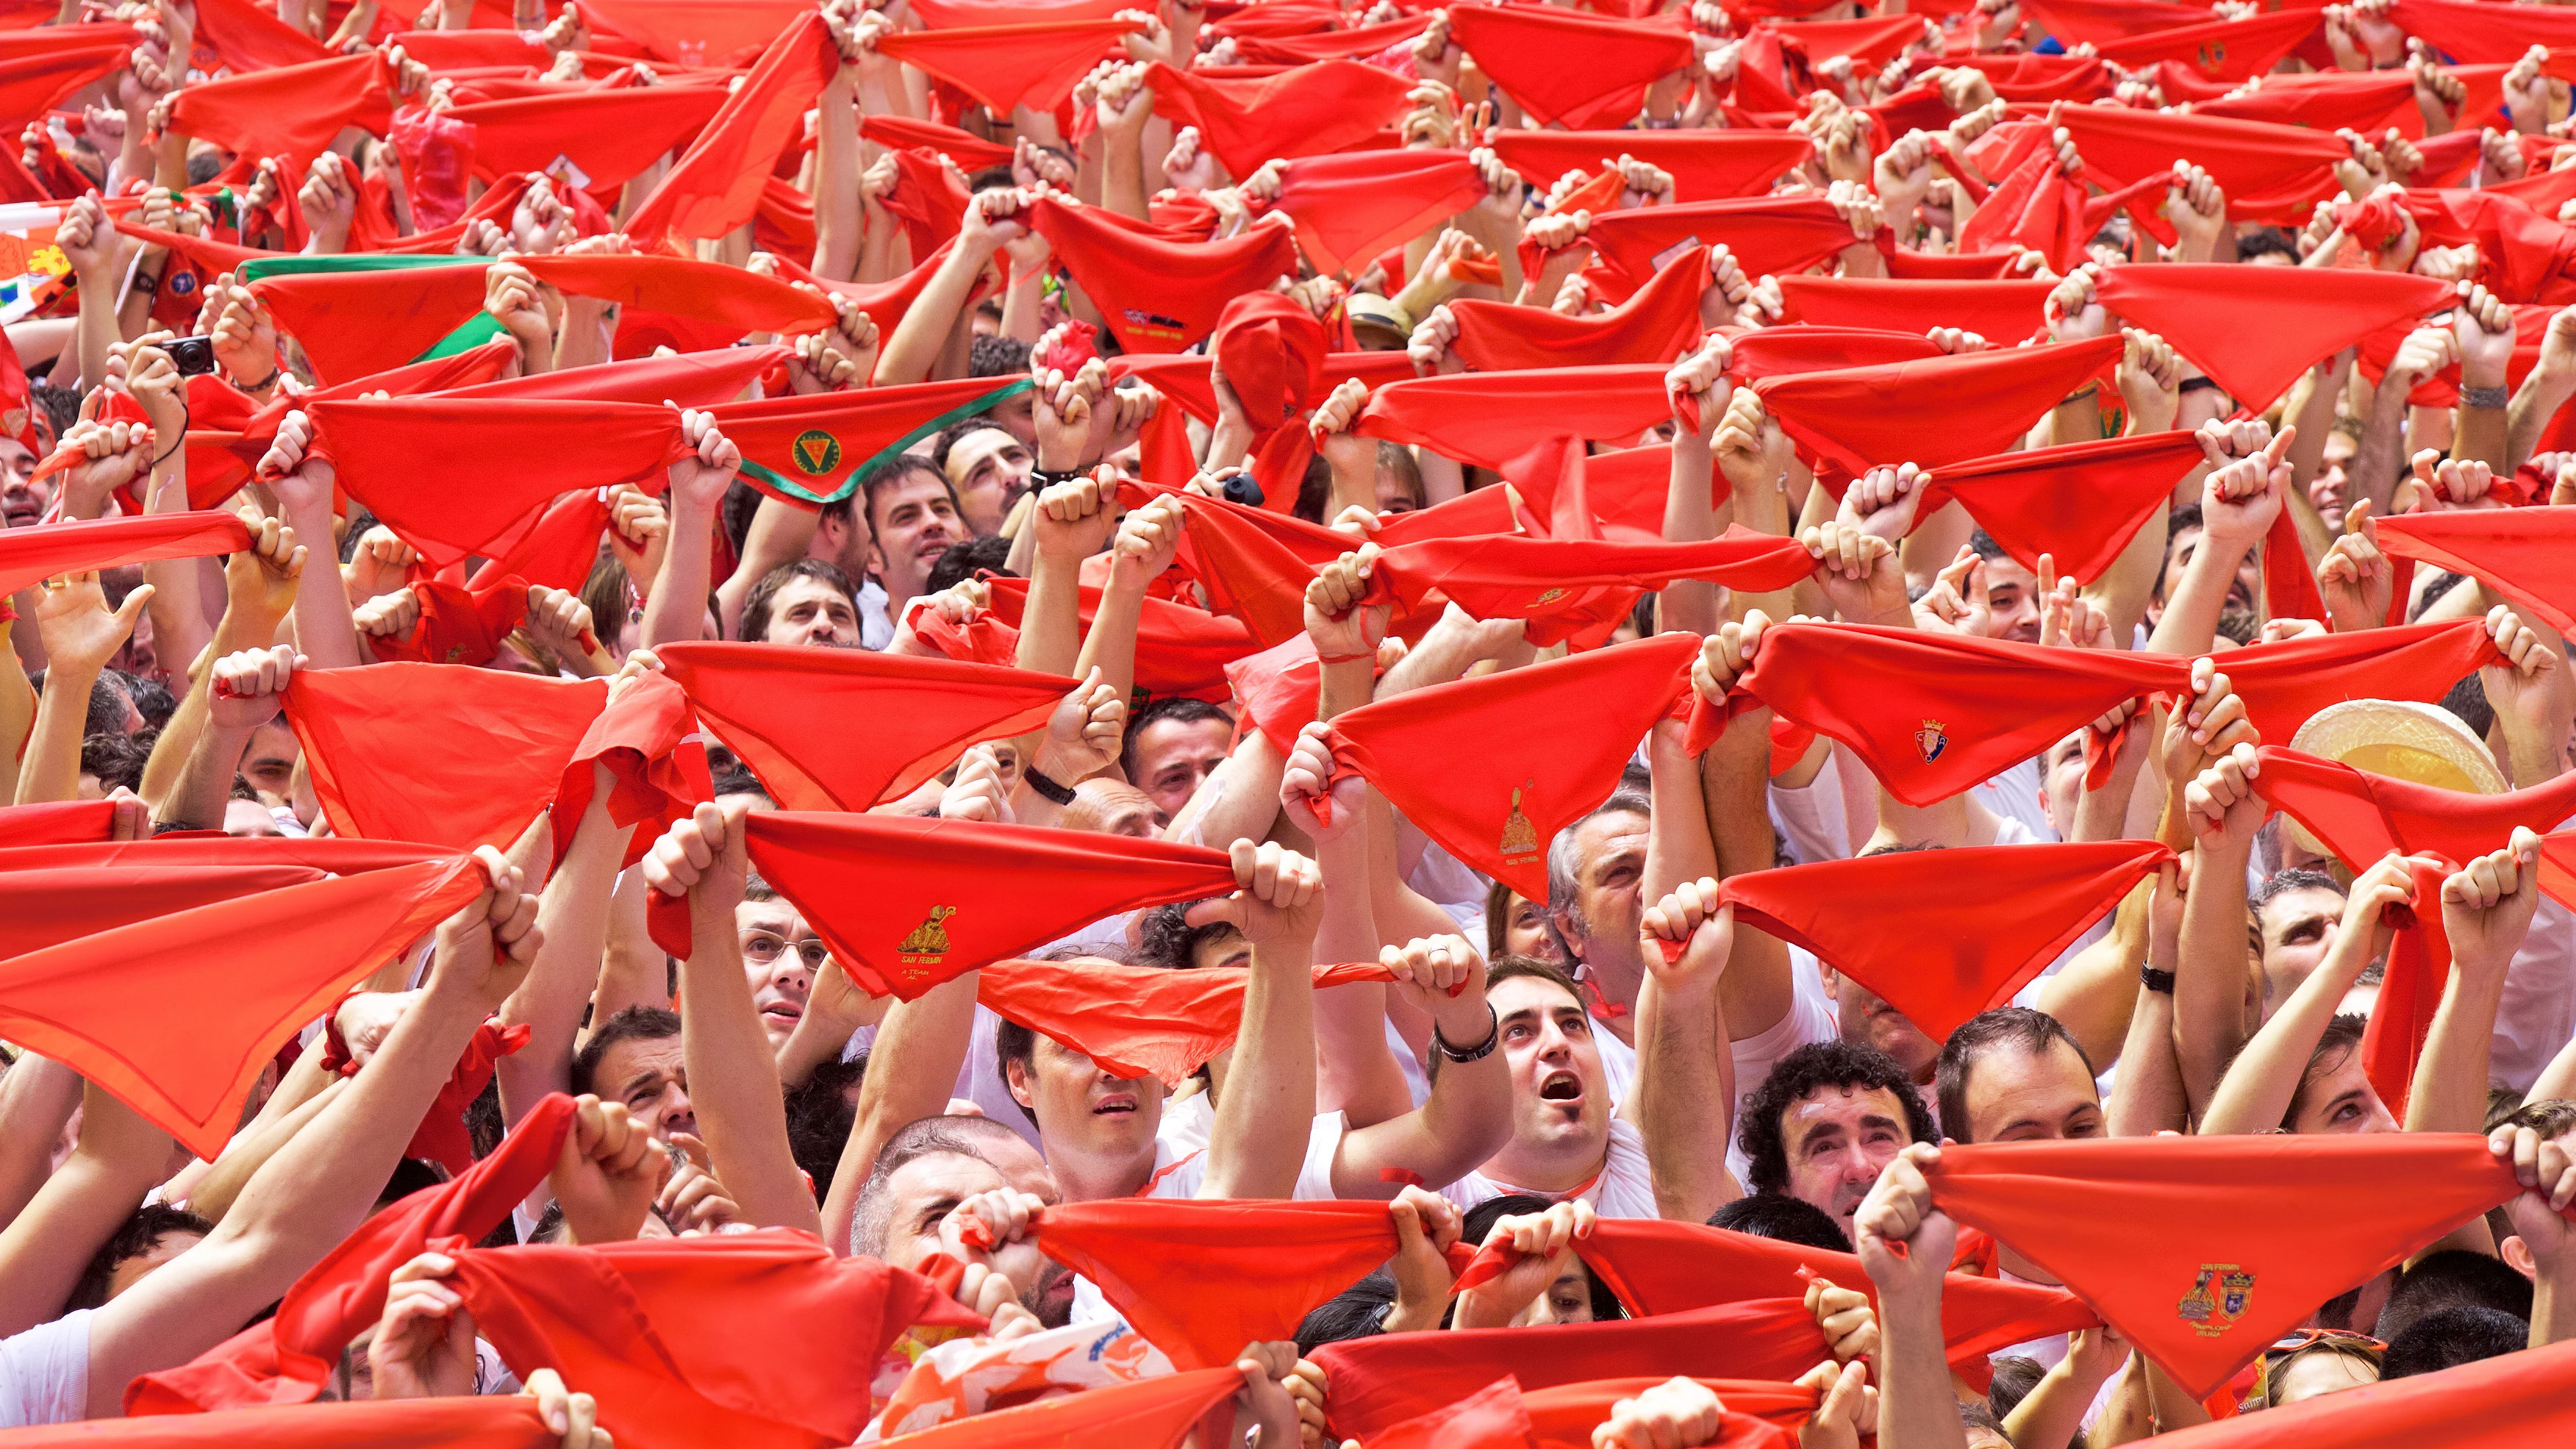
[{"x": 1932, "y": 739}]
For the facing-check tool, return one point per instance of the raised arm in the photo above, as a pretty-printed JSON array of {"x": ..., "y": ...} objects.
[
  {"x": 677, "y": 609},
  {"x": 303, "y": 482},
  {"x": 1905, "y": 1243},
  {"x": 2208, "y": 1002},
  {"x": 1468, "y": 1117},
  {"x": 1358, "y": 1073},
  {"x": 260, "y": 585},
  {"x": 1263, "y": 1117},
  {"x": 574, "y": 914},
  {"x": 2486, "y": 909},
  {"x": 119, "y": 1158},
  {"x": 1684, "y": 1099},
  {"x": 80, "y": 635}
]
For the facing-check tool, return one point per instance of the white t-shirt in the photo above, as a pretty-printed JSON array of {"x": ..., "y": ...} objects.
[
  {"x": 44, "y": 1373},
  {"x": 1810, "y": 818},
  {"x": 1182, "y": 1173},
  {"x": 1625, "y": 1187},
  {"x": 876, "y": 626},
  {"x": 2014, "y": 795},
  {"x": 1809, "y": 1019}
]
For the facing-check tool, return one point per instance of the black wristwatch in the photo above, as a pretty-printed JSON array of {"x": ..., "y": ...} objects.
[
  {"x": 2159, "y": 982},
  {"x": 1041, "y": 782},
  {"x": 1476, "y": 1053}
]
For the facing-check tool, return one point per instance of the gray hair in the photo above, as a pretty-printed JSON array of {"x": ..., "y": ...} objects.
[
  {"x": 1561, "y": 864},
  {"x": 962, "y": 1136}
]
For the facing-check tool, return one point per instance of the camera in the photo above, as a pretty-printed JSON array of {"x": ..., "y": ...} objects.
[{"x": 191, "y": 355}]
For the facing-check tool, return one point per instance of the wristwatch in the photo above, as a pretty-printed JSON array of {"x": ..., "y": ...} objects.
[
  {"x": 1044, "y": 784},
  {"x": 2159, "y": 982}
]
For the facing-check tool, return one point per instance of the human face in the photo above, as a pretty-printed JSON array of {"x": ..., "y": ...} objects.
[
  {"x": 23, "y": 498},
  {"x": 812, "y": 613},
  {"x": 649, "y": 1075},
  {"x": 1173, "y": 756},
  {"x": 1839, "y": 1139},
  {"x": 2298, "y": 928},
  {"x": 245, "y": 818},
  {"x": 1559, "y": 1095},
  {"x": 1567, "y": 1300},
  {"x": 2340, "y": 1099},
  {"x": 1083, "y": 1109},
  {"x": 2022, "y": 1096},
  {"x": 1395, "y": 492},
  {"x": 1609, "y": 870},
  {"x": 1525, "y": 929},
  {"x": 2312, "y": 1375},
  {"x": 1221, "y": 949},
  {"x": 2178, "y": 556},
  {"x": 135, "y": 1269},
  {"x": 1017, "y": 415},
  {"x": 915, "y": 522},
  {"x": 2061, "y": 783},
  {"x": 1865, "y": 1017},
  {"x": 269, "y": 762},
  {"x": 928, "y": 1188},
  {"x": 990, "y": 470},
  {"x": 780, "y": 955},
  {"x": 1110, "y": 808},
  {"x": 2012, "y": 601}
]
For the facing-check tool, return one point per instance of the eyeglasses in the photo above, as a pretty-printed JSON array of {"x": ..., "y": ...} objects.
[{"x": 761, "y": 948}]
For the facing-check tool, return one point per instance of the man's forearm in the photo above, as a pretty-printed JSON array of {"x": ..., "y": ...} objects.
[
  {"x": 51, "y": 768},
  {"x": 2449, "y": 1090},
  {"x": 919, "y": 1049},
  {"x": 1110, "y": 643},
  {"x": 204, "y": 789},
  {"x": 2380, "y": 454},
  {"x": 2209, "y": 973},
  {"x": 572, "y": 919},
  {"x": 1358, "y": 1075},
  {"x": 677, "y": 611},
  {"x": 2538, "y": 400},
  {"x": 324, "y": 632},
  {"x": 836, "y": 180},
  {"x": 1916, "y": 1406},
  {"x": 734, "y": 1079},
  {"x": 1690, "y": 514},
  {"x": 1685, "y": 1098},
  {"x": 918, "y": 339},
  {"x": 1268, "y": 1107},
  {"x": 43, "y": 1252}
]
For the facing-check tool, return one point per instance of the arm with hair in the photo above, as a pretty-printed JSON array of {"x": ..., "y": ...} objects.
[
  {"x": 1905, "y": 1243},
  {"x": 1239, "y": 800},
  {"x": 43, "y": 1252},
  {"x": 37, "y": 1095},
  {"x": 676, "y": 611},
  {"x": 1071, "y": 521},
  {"x": 920, "y": 1048},
  {"x": 2147, "y": 1095},
  {"x": 1466, "y": 1119},
  {"x": 2095, "y": 992},
  {"x": 1678, "y": 846},
  {"x": 922, "y": 335},
  {"x": 733, "y": 1076},
  {"x": 1143, "y": 547},
  {"x": 1683, "y": 1100},
  {"x": 2210, "y": 963},
  {"x": 214, "y": 1193},
  {"x": 780, "y": 534},
  {"x": 1358, "y": 1075},
  {"x": 1757, "y": 987},
  {"x": 574, "y": 918},
  {"x": 1264, "y": 1117}
]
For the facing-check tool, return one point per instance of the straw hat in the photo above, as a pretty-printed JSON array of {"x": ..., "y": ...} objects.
[{"x": 2422, "y": 743}]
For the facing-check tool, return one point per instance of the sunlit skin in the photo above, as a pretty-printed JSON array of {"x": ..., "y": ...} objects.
[
  {"x": 1172, "y": 756},
  {"x": 1838, "y": 1139}
]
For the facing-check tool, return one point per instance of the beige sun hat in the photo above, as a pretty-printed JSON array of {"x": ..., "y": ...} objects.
[{"x": 2421, "y": 743}]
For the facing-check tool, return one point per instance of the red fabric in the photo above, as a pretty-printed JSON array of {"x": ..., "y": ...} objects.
[
  {"x": 1659, "y": 1268},
  {"x": 1348, "y": 208},
  {"x": 56, "y": 822},
  {"x": 1656, "y": 325},
  {"x": 1564, "y": 1417},
  {"x": 2078, "y": 22},
  {"x": 1526, "y": 50},
  {"x": 1496, "y": 807},
  {"x": 182, "y": 1056},
  {"x": 911, "y": 929},
  {"x": 1255, "y": 563},
  {"x": 2459, "y": 30},
  {"x": 29, "y": 555},
  {"x": 557, "y": 546},
  {"x": 1899, "y": 925},
  {"x": 1359, "y": 42},
  {"x": 441, "y": 1135},
  {"x": 497, "y": 1421},
  {"x": 716, "y": 184},
  {"x": 1008, "y": 66},
  {"x": 691, "y": 380},
  {"x": 1705, "y": 165},
  {"x": 292, "y": 111},
  {"x": 2366, "y": 101},
  {"x": 1159, "y": 295},
  {"x": 1182, "y": 377},
  {"x": 1374, "y": 1383},
  {"x": 355, "y": 323},
  {"x": 2137, "y": 1226},
  {"x": 2268, "y": 172},
  {"x": 458, "y": 625},
  {"x": 247, "y": 38},
  {"x": 655, "y": 1327},
  {"x": 1200, "y": 1279},
  {"x": 401, "y": 457},
  {"x": 2521, "y": 552},
  {"x": 2513, "y": 1398},
  {"x": 31, "y": 85},
  {"x": 2081, "y": 502},
  {"x": 2308, "y": 313},
  {"x": 1137, "y": 1021},
  {"x": 1936, "y": 411},
  {"x": 1272, "y": 350},
  {"x": 706, "y": 291},
  {"x": 656, "y": 760},
  {"x": 1491, "y": 418},
  {"x": 1493, "y": 1417},
  {"x": 609, "y": 136},
  {"x": 2232, "y": 50},
  {"x": 1769, "y": 235},
  {"x": 1313, "y": 110},
  {"x": 1154, "y": 1413},
  {"x": 811, "y": 450},
  {"x": 434, "y": 752},
  {"x": 1565, "y": 585},
  {"x": 2003, "y": 313},
  {"x": 696, "y": 32},
  {"x": 929, "y": 201},
  {"x": 1774, "y": 351},
  {"x": 2362, "y": 817},
  {"x": 903, "y": 133},
  {"x": 894, "y": 720},
  {"x": 1179, "y": 649}
]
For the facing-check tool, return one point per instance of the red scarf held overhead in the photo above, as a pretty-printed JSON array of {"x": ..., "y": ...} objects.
[
  {"x": 1769, "y": 235},
  {"x": 288, "y": 1358},
  {"x": 1159, "y": 295},
  {"x": 2268, "y": 172},
  {"x": 2461, "y": 31},
  {"x": 1348, "y": 208},
  {"x": 2035, "y": 205},
  {"x": 56, "y": 822},
  {"x": 292, "y": 111},
  {"x": 1135, "y": 1021},
  {"x": 648, "y": 741},
  {"x": 1527, "y": 52},
  {"x": 2522, "y": 552},
  {"x": 2203, "y": 1250},
  {"x": 1777, "y": 351},
  {"x": 811, "y": 450},
  {"x": 2514, "y": 1398},
  {"x": 695, "y": 32},
  {"x": 2003, "y": 312},
  {"x": 1568, "y": 587},
  {"x": 1940, "y": 410},
  {"x": 1009, "y": 66},
  {"x": 759, "y": 1339},
  {"x": 436, "y": 752},
  {"x": 557, "y": 546},
  {"x": 2081, "y": 503},
  {"x": 896, "y": 720},
  {"x": 2329, "y": 101},
  {"x": 1493, "y": 1417},
  {"x": 183, "y": 1056},
  {"x": 901, "y": 133},
  {"x": 1179, "y": 649},
  {"x": 1899, "y": 925},
  {"x": 1154, "y": 1413},
  {"x": 2229, "y": 50},
  {"x": 1705, "y": 165},
  {"x": 2362, "y": 817},
  {"x": 2309, "y": 314},
  {"x": 1200, "y": 1279},
  {"x": 1491, "y": 418},
  {"x": 1659, "y": 1268},
  {"x": 1255, "y": 564},
  {"x": 716, "y": 184},
  {"x": 1312, "y": 110},
  {"x": 1657, "y": 324},
  {"x": 1499, "y": 805},
  {"x": 912, "y": 928},
  {"x": 1272, "y": 350},
  {"x": 351, "y": 324},
  {"x": 1758, "y": 1415},
  {"x": 608, "y": 137},
  {"x": 1372, "y": 1384},
  {"x": 457, "y": 625},
  {"x": 488, "y": 1421},
  {"x": 31, "y": 555}
]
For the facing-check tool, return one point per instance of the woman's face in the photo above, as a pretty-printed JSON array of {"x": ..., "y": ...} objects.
[
  {"x": 2311, "y": 1374},
  {"x": 1568, "y": 1298},
  {"x": 1524, "y": 933}
]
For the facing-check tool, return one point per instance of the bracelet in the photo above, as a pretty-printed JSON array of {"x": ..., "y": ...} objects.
[
  {"x": 2159, "y": 982},
  {"x": 1370, "y": 654},
  {"x": 264, "y": 384},
  {"x": 1476, "y": 1053},
  {"x": 1044, "y": 479},
  {"x": 1045, "y": 785},
  {"x": 2198, "y": 384},
  {"x": 2484, "y": 397}
]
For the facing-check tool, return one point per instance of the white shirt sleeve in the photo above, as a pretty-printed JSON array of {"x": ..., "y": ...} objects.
[
  {"x": 1810, "y": 1018},
  {"x": 44, "y": 1373},
  {"x": 1811, "y": 819}
]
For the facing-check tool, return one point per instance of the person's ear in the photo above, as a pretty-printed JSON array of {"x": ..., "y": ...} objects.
[
  {"x": 1833, "y": 981},
  {"x": 1015, "y": 1077},
  {"x": 2517, "y": 1256}
]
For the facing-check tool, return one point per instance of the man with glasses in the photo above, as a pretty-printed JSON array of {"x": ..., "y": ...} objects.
[{"x": 781, "y": 956}]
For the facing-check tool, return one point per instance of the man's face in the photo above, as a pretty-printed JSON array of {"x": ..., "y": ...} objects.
[
  {"x": 1395, "y": 495},
  {"x": 2341, "y": 1099},
  {"x": 1110, "y": 808},
  {"x": 1609, "y": 869},
  {"x": 245, "y": 818},
  {"x": 2022, "y": 1096},
  {"x": 1558, "y": 1091},
  {"x": 135, "y": 1269},
  {"x": 1173, "y": 756},
  {"x": 23, "y": 500},
  {"x": 914, "y": 524},
  {"x": 1864, "y": 1017},
  {"x": 1084, "y": 1109},
  {"x": 990, "y": 470},
  {"x": 780, "y": 955},
  {"x": 649, "y": 1075},
  {"x": 2314, "y": 1375},
  {"x": 2061, "y": 783},
  {"x": 843, "y": 541},
  {"x": 2298, "y": 929},
  {"x": 928, "y": 1188},
  {"x": 2012, "y": 601},
  {"x": 2241, "y": 592},
  {"x": 1838, "y": 1140},
  {"x": 269, "y": 762},
  {"x": 1017, "y": 415},
  {"x": 812, "y": 613}
]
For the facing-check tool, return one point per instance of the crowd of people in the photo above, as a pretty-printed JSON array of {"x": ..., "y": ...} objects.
[{"x": 1633, "y": 725}]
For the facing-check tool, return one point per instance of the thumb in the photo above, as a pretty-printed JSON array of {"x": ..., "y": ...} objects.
[{"x": 133, "y": 606}]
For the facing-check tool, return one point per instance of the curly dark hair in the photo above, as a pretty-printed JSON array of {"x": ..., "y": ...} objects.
[
  {"x": 141, "y": 1234},
  {"x": 1834, "y": 1063}
]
